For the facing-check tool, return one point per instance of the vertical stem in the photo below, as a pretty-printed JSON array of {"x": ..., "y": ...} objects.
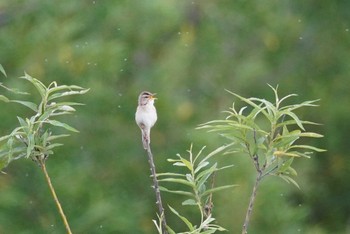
[
  {"x": 156, "y": 189},
  {"x": 60, "y": 210},
  {"x": 251, "y": 203}
]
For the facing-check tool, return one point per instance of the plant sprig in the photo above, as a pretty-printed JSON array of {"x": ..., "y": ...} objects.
[
  {"x": 268, "y": 133},
  {"x": 33, "y": 138},
  {"x": 198, "y": 170}
]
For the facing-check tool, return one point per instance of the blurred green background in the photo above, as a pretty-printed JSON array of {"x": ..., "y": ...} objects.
[{"x": 188, "y": 52}]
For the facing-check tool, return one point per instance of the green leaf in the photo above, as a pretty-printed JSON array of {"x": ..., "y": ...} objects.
[
  {"x": 51, "y": 146},
  {"x": 185, "y": 220},
  {"x": 311, "y": 134},
  {"x": 2, "y": 70},
  {"x": 54, "y": 137},
  {"x": 5, "y": 137},
  {"x": 294, "y": 117},
  {"x": 67, "y": 93},
  {"x": 216, "y": 151},
  {"x": 278, "y": 153},
  {"x": 189, "y": 202},
  {"x": 30, "y": 105},
  {"x": 308, "y": 147},
  {"x": 200, "y": 166},
  {"x": 169, "y": 174},
  {"x": 4, "y": 99},
  {"x": 204, "y": 175},
  {"x": 289, "y": 180},
  {"x": 38, "y": 85},
  {"x": 177, "y": 180},
  {"x": 213, "y": 190},
  {"x": 176, "y": 191},
  {"x": 62, "y": 125}
]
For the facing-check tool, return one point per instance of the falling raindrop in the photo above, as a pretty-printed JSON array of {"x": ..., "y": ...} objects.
[
  {"x": 125, "y": 59},
  {"x": 119, "y": 106},
  {"x": 300, "y": 38},
  {"x": 101, "y": 226}
]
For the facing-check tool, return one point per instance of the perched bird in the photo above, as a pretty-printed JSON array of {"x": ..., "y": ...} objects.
[{"x": 146, "y": 116}]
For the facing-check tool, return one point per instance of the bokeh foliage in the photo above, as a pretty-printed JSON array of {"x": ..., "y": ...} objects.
[{"x": 188, "y": 52}]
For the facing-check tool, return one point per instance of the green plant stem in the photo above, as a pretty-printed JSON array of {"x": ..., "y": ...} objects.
[
  {"x": 60, "y": 210},
  {"x": 251, "y": 203},
  {"x": 157, "y": 191}
]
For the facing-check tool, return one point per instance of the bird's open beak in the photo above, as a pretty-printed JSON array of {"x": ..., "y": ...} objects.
[{"x": 153, "y": 96}]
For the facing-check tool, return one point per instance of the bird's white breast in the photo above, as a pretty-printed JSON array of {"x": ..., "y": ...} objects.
[{"x": 146, "y": 115}]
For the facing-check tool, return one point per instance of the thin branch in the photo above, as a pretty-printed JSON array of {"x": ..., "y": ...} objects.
[
  {"x": 251, "y": 203},
  {"x": 43, "y": 167},
  {"x": 157, "y": 191}
]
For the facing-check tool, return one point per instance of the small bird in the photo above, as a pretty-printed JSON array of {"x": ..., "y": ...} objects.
[{"x": 146, "y": 116}]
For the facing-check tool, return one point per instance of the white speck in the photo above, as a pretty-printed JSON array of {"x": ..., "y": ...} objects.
[
  {"x": 46, "y": 60},
  {"x": 81, "y": 147},
  {"x": 86, "y": 43},
  {"x": 77, "y": 46},
  {"x": 179, "y": 33},
  {"x": 27, "y": 174},
  {"x": 299, "y": 230},
  {"x": 67, "y": 61},
  {"x": 299, "y": 20},
  {"x": 95, "y": 64},
  {"x": 30, "y": 202},
  {"x": 52, "y": 225},
  {"x": 125, "y": 59},
  {"x": 347, "y": 30},
  {"x": 88, "y": 63},
  {"x": 118, "y": 29},
  {"x": 101, "y": 226},
  {"x": 281, "y": 194},
  {"x": 121, "y": 70},
  {"x": 299, "y": 205},
  {"x": 300, "y": 38},
  {"x": 188, "y": 90},
  {"x": 119, "y": 106},
  {"x": 93, "y": 2},
  {"x": 120, "y": 94}
]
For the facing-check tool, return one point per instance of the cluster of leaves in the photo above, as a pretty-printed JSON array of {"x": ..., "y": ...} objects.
[
  {"x": 267, "y": 132},
  {"x": 33, "y": 138},
  {"x": 197, "y": 172}
]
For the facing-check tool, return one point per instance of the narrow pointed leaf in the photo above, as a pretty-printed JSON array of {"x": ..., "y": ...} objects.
[
  {"x": 2, "y": 70},
  {"x": 216, "y": 189},
  {"x": 185, "y": 220},
  {"x": 62, "y": 125},
  {"x": 30, "y": 105}
]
